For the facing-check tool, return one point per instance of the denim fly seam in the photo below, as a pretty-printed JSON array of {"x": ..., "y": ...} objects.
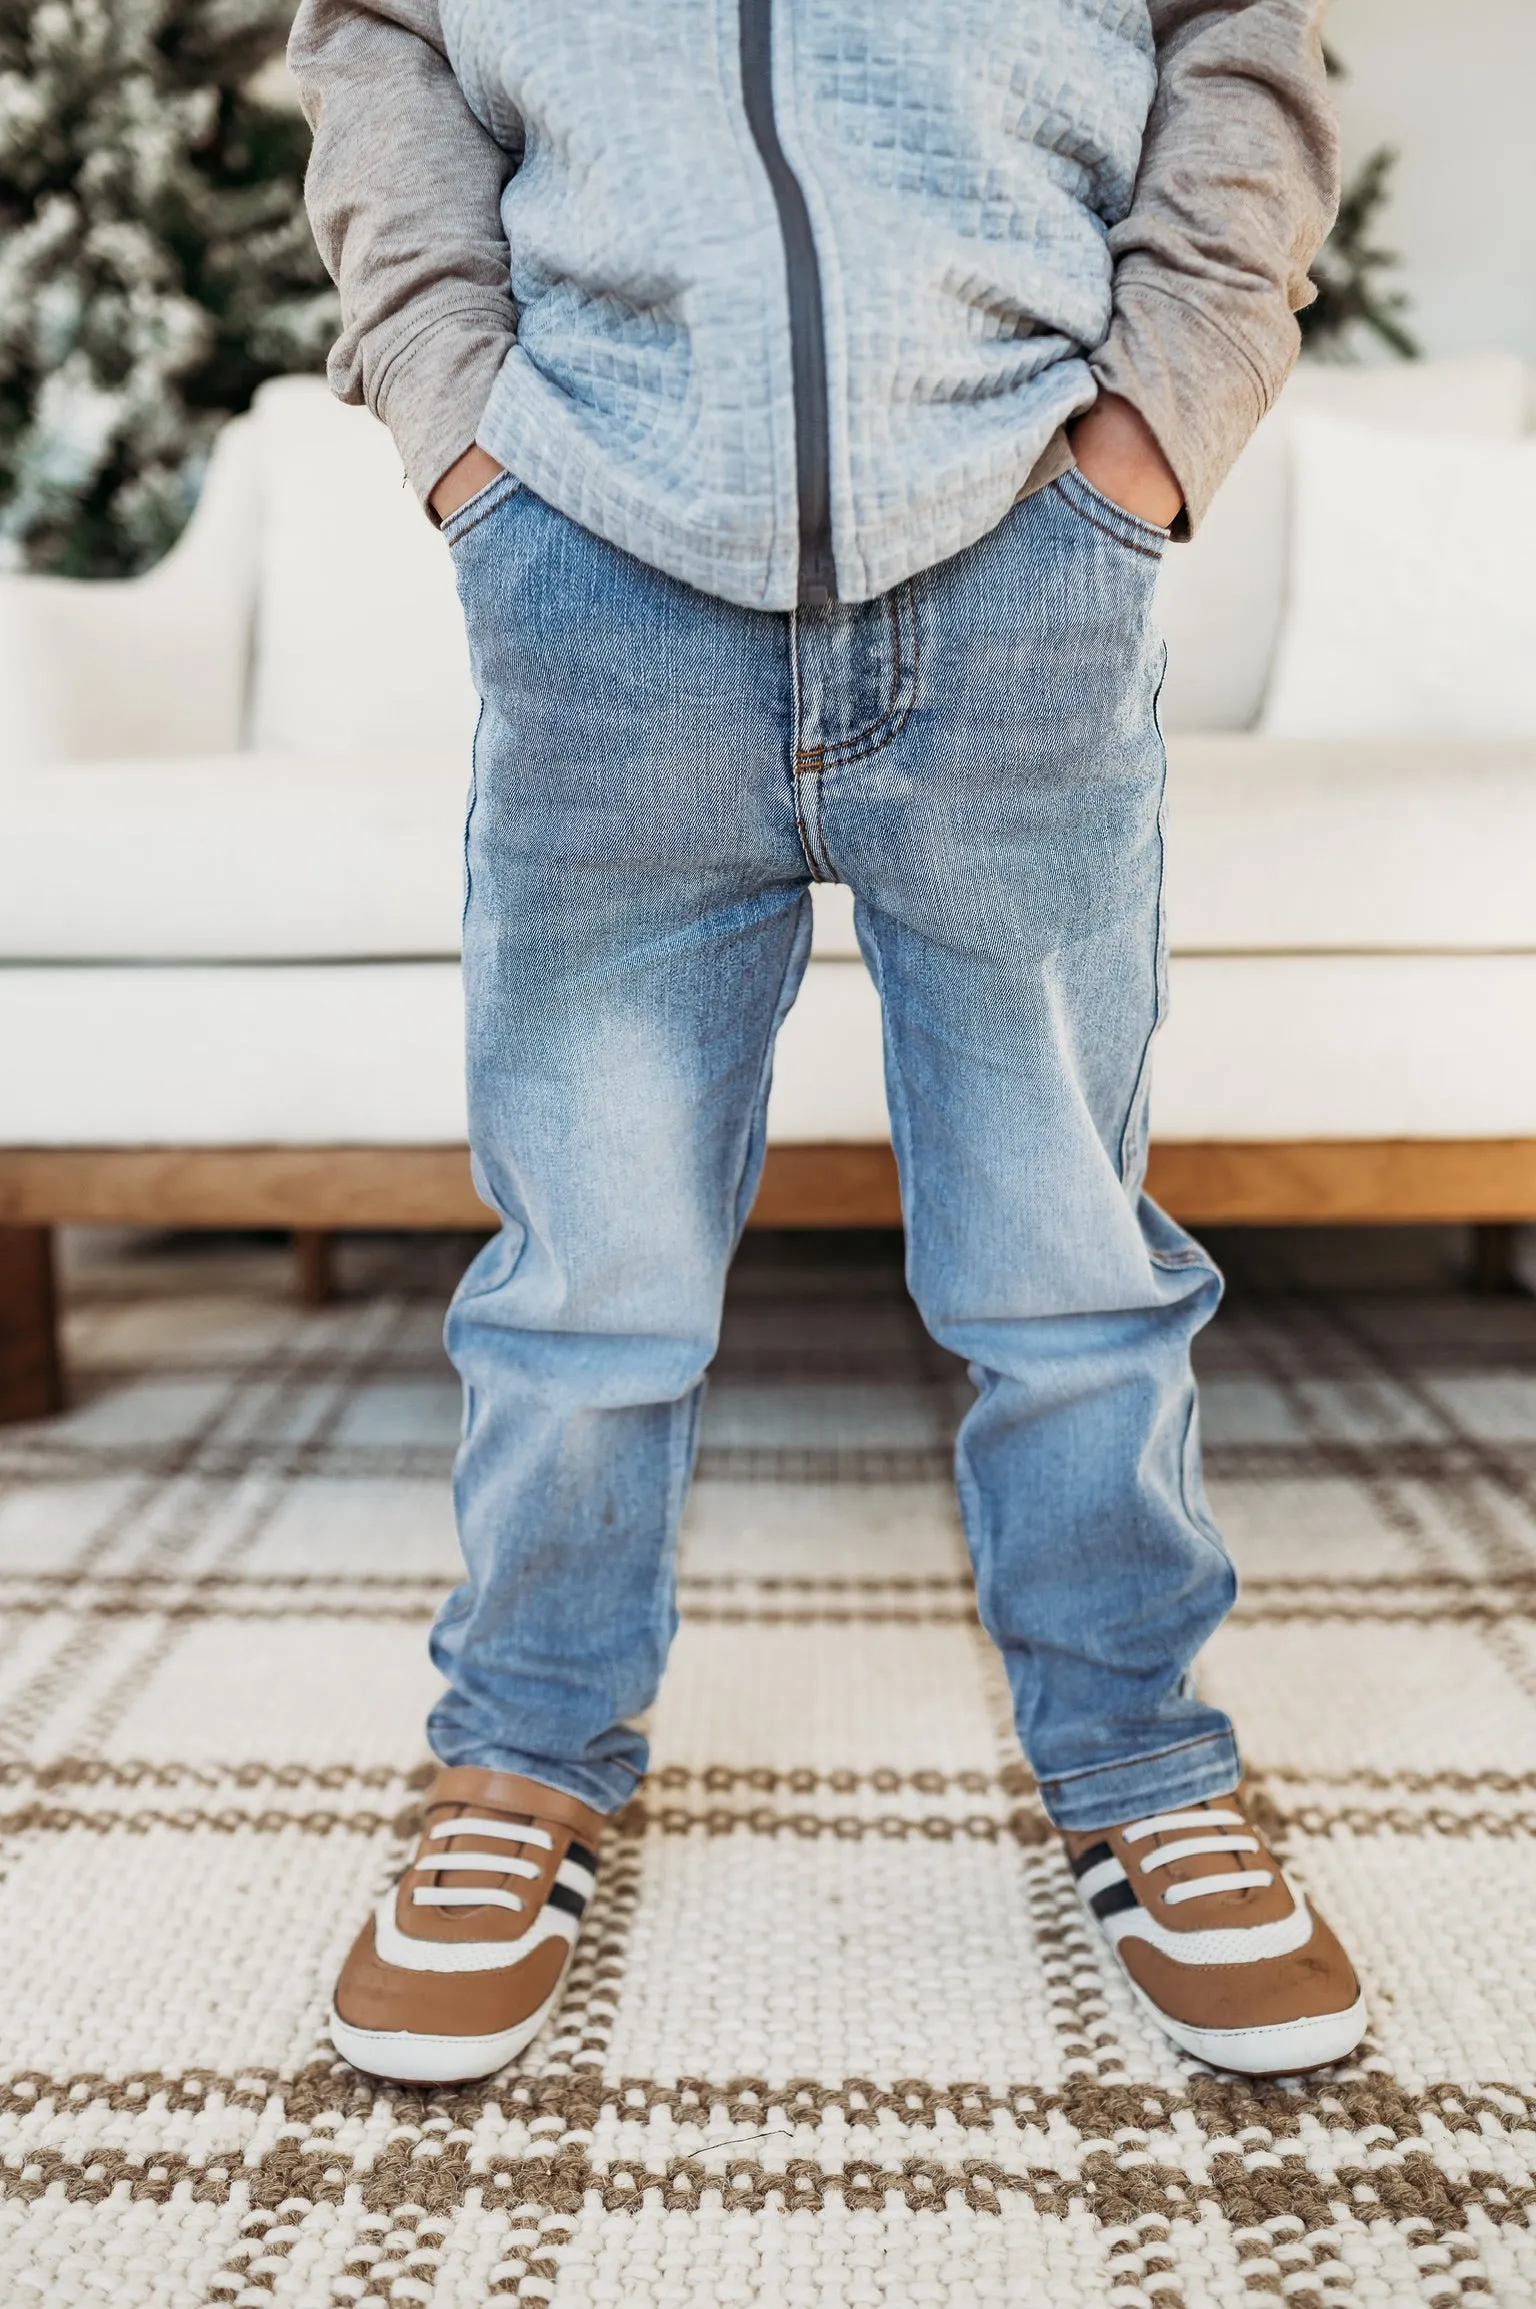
[
  {"x": 805, "y": 772},
  {"x": 901, "y": 616},
  {"x": 814, "y": 764}
]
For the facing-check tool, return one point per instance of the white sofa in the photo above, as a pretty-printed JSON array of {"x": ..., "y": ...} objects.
[{"x": 231, "y": 796}]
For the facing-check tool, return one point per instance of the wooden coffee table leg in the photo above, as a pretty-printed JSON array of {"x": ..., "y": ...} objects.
[
  {"x": 314, "y": 1265},
  {"x": 1493, "y": 1261},
  {"x": 31, "y": 1376}
]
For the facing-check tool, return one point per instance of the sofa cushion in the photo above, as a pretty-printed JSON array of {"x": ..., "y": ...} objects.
[
  {"x": 249, "y": 857},
  {"x": 113, "y": 668},
  {"x": 1257, "y": 1047},
  {"x": 321, "y": 1054},
  {"x": 1279, "y": 844},
  {"x": 333, "y": 1054},
  {"x": 1220, "y": 598},
  {"x": 1394, "y": 1046},
  {"x": 260, "y": 856},
  {"x": 1413, "y": 588},
  {"x": 359, "y": 641},
  {"x": 1274, "y": 844}
]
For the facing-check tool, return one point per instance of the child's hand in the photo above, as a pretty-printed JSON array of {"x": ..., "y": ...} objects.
[
  {"x": 474, "y": 471},
  {"x": 1117, "y": 451}
]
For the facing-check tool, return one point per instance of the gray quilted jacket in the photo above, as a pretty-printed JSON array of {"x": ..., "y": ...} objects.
[{"x": 792, "y": 298}]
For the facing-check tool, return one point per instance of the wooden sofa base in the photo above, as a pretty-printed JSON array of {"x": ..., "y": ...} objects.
[{"x": 314, "y": 1191}]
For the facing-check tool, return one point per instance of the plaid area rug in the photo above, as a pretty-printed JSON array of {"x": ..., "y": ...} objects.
[{"x": 837, "y": 2033}]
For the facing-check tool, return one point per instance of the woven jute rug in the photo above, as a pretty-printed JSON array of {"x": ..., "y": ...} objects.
[{"x": 837, "y": 2033}]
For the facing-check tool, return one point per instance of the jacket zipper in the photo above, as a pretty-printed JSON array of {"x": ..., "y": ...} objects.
[{"x": 807, "y": 326}]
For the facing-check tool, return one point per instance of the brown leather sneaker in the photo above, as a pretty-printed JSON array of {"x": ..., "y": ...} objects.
[
  {"x": 462, "y": 1963},
  {"x": 1217, "y": 1944}
]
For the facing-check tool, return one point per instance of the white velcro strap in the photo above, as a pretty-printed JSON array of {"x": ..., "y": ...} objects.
[
  {"x": 466, "y": 1896},
  {"x": 465, "y": 1826},
  {"x": 1164, "y": 1824},
  {"x": 444, "y": 1863},
  {"x": 1202, "y": 1887},
  {"x": 1190, "y": 1847}
]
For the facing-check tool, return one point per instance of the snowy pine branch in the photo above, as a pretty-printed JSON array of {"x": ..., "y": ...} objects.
[{"x": 155, "y": 264}]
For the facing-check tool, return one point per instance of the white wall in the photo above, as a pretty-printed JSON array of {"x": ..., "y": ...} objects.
[{"x": 1451, "y": 83}]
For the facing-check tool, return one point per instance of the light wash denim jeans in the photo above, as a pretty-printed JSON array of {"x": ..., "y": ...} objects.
[{"x": 658, "y": 776}]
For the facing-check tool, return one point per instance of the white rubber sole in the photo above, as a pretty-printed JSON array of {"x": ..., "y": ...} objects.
[
  {"x": 1289, "y": 2048},
  {"x": 406, "y": 2058}
]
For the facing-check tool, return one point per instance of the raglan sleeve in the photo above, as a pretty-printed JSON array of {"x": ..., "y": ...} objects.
[
  {"x": 1237, "y": 190},
  {"x": 404, "y": 195}
]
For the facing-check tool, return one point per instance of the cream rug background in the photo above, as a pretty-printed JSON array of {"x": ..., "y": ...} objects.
[{"x": 838, "y": 2034}]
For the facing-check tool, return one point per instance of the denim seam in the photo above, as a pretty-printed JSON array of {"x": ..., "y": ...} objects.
[
  {"x": 793, "y": 630},
  {"x": 896, "y": 1095},
  {"x": 764, "y": 1072},
  {"x": 1118, "y": 521},
  {"x": 527, "y": 1766},
  {"x": 1198, "y": 1522},
  {"x": 469, "y": 819},
  {"x": 1078, "y": 486},
  {"x": 807, "y": 795},
  {"x": 808, "y": 813},
  {"x": 1134, "y": 1763},
  {"x": 903, "y": 679},
  {"x": 454, "y": 538},
  {"x": 682, "y": 1453},
  {"x": 1131, "y": 544},
  {"x": 812, "y": 762},
  {"x": 1160, "y": 942}
]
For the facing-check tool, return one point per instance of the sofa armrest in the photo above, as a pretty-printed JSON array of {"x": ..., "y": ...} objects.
[{"x": 93, "y": 670}]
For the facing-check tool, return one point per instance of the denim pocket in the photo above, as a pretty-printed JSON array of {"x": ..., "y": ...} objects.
[
  {"x": 1102, "y": 513},
  {"x": 475, "y": 509}
]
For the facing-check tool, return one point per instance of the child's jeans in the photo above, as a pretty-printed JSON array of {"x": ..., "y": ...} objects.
[{"x": 658, "y": 775}]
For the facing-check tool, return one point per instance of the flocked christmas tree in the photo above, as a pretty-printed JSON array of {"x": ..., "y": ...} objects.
[{"x": 155, "y": 264}]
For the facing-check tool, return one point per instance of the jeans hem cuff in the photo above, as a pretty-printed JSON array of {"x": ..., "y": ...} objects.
[
  {"x": 1106, "y": 1795},
  {"x": 605, "y": 1791}
]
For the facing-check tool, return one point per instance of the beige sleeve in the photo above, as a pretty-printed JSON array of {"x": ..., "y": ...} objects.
[
  {"x": 1238, "y": 188},
  {"x": 404, "y": 194}
]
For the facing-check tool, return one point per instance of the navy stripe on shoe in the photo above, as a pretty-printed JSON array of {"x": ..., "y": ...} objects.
[
  {"x": 561, "y": 1896},
  {"x": 582, "y": 1857},
  {"x": 1113, "y": 1900},
  {"x": 1093, "y": 1857}
]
